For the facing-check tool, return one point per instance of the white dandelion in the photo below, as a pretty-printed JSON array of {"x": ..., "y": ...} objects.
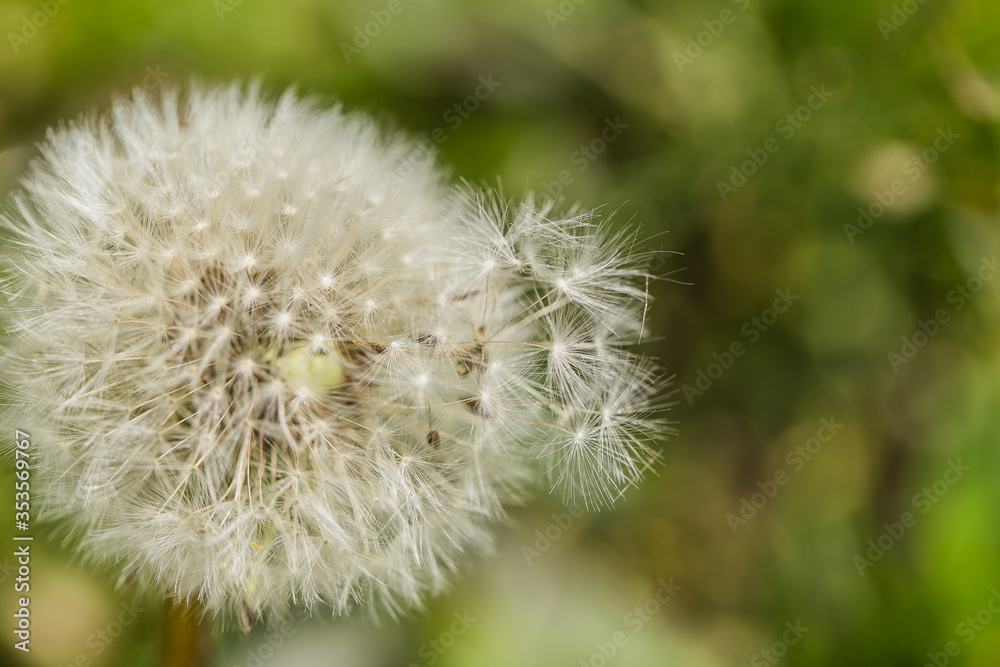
[{"x": 275, "y": 363}]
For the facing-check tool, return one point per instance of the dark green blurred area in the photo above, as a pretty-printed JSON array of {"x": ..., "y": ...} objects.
[{"x": 678, "y": 119}]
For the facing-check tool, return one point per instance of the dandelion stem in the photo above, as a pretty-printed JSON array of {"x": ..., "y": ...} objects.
[{"x": 187, "y": 641}]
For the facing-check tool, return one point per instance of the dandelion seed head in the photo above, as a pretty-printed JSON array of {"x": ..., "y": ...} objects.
[{"x": 274, "y": 363}]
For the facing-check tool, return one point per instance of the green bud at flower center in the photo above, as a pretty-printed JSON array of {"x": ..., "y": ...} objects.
[{"x": 301, "y": 367}]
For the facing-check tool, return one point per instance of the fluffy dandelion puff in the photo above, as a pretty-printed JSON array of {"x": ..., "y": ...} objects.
[{"x": 274, "y": 361}]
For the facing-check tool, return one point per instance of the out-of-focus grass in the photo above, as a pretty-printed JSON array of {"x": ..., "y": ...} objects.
[{"x": 685, "y": 127}]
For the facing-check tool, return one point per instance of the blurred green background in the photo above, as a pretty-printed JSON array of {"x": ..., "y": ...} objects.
[{"x": 835, "y": 161}]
